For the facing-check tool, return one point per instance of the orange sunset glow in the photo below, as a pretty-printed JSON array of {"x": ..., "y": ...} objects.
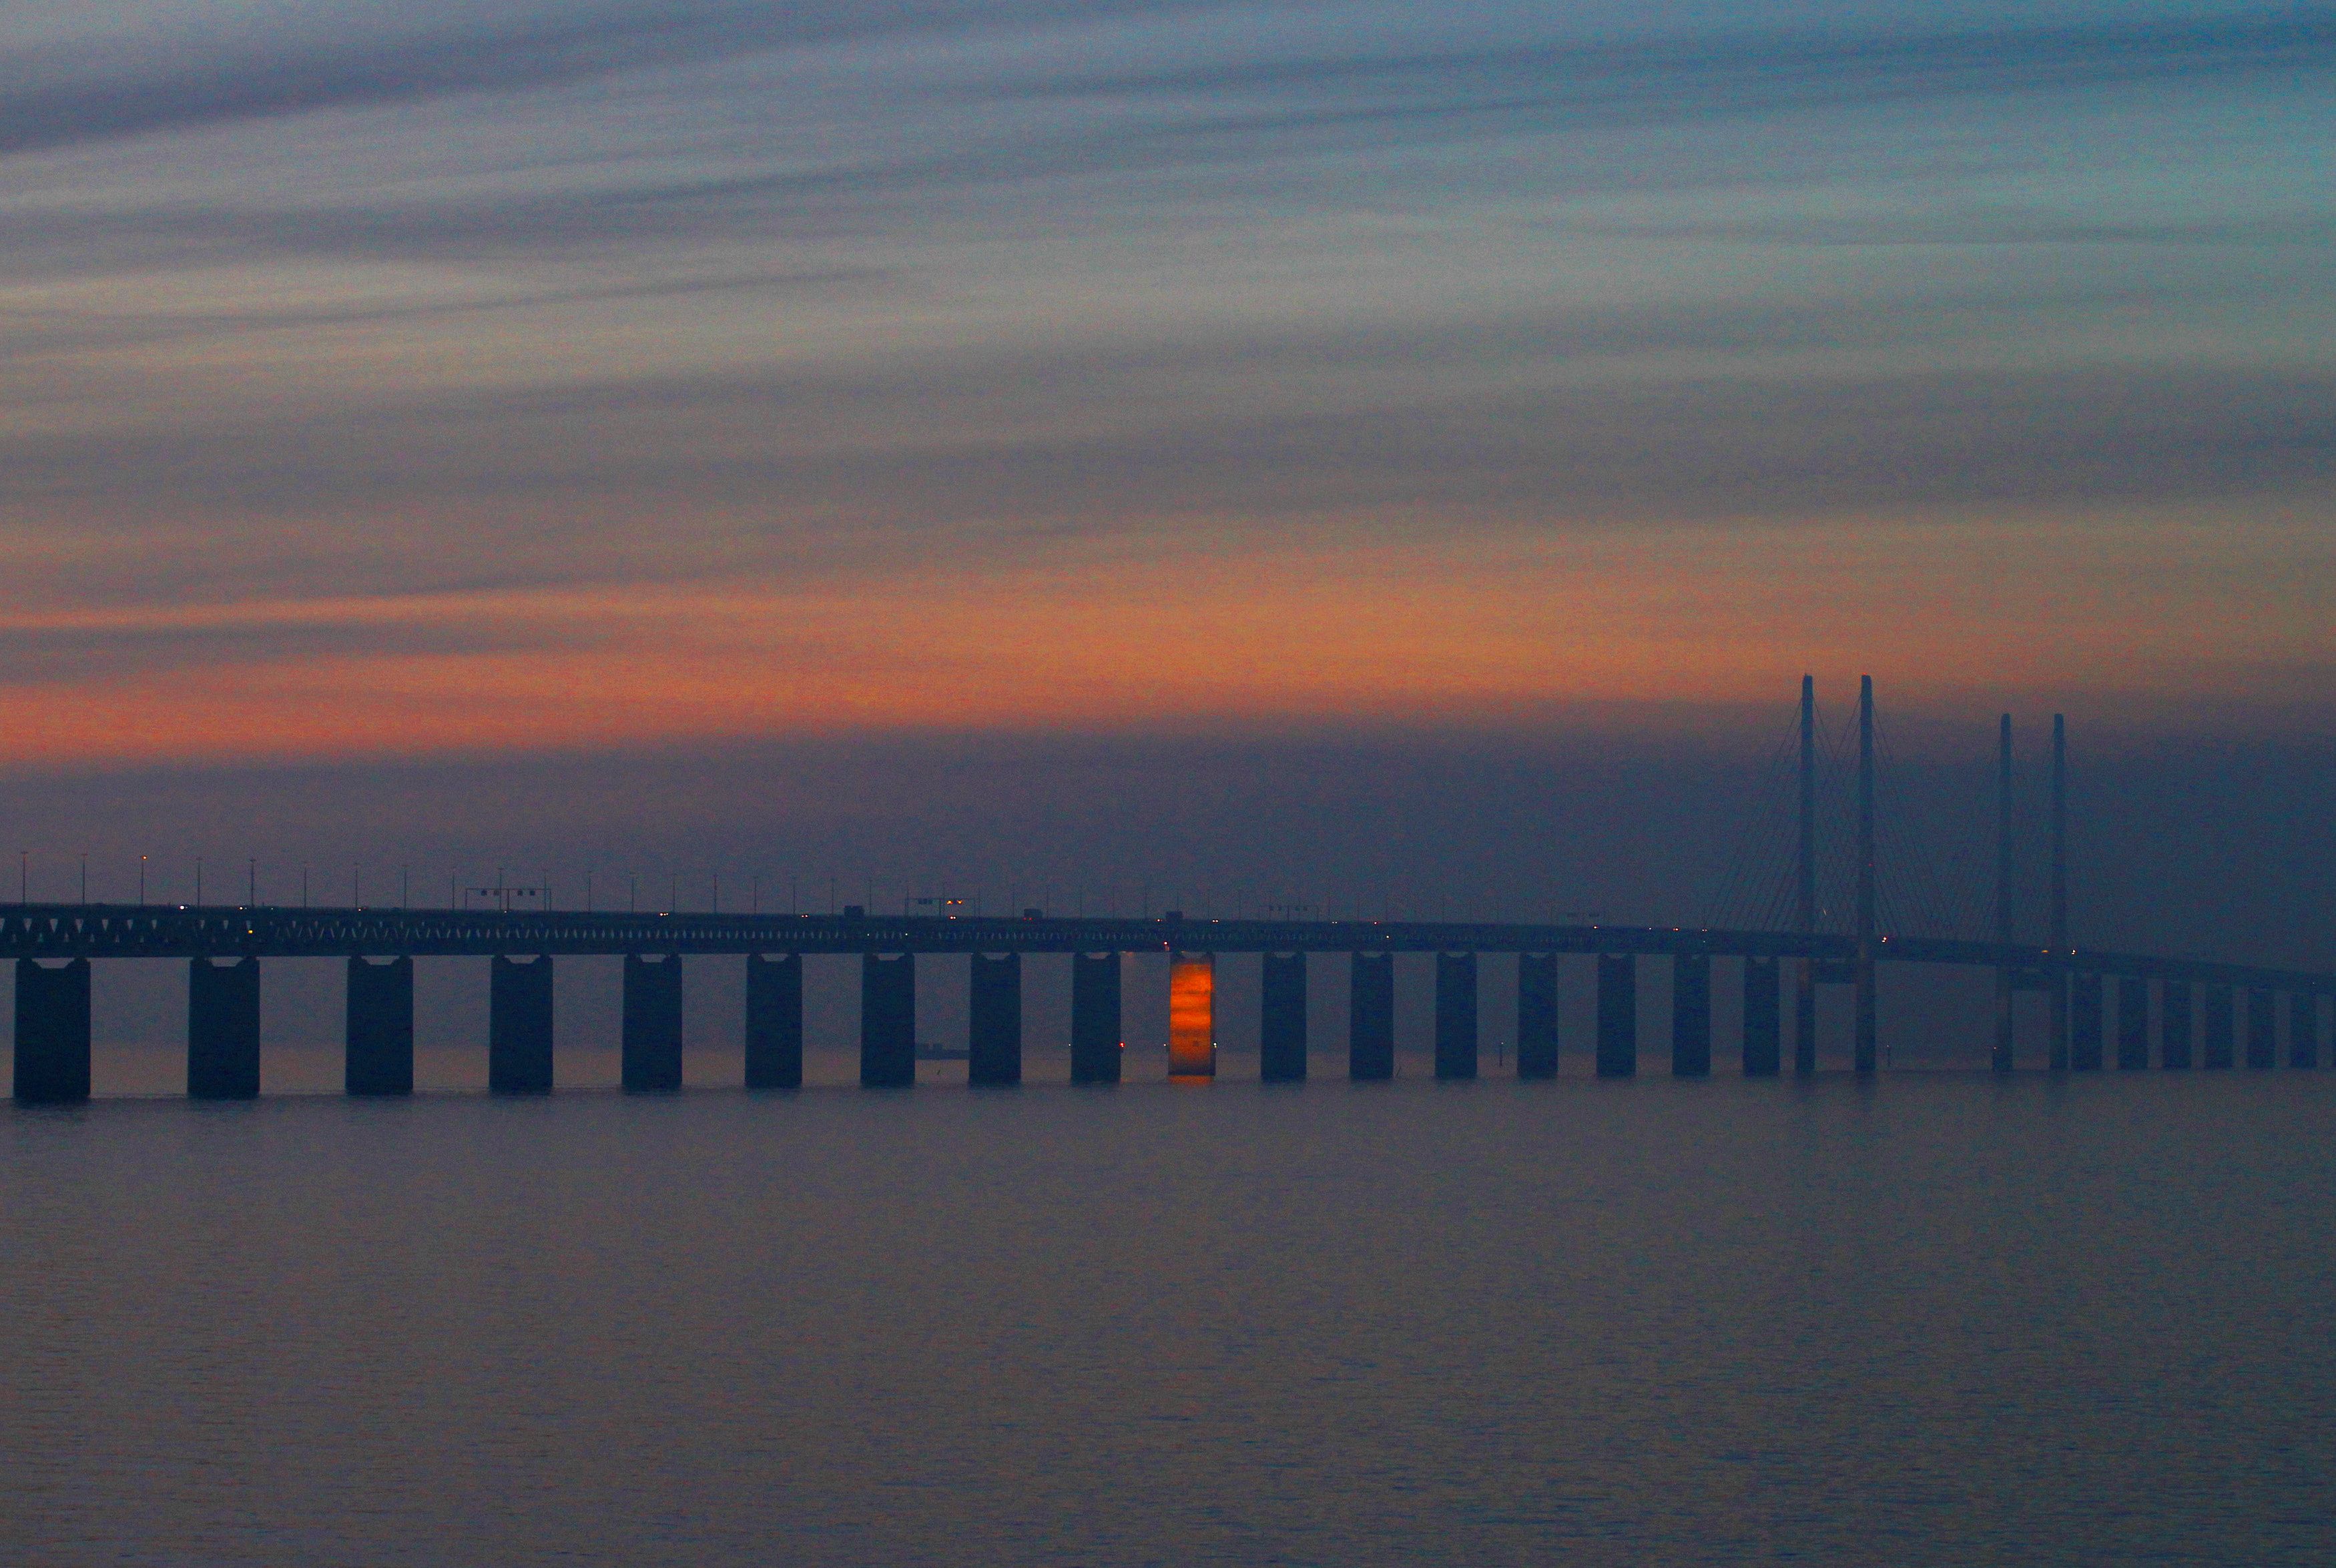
[
  {"x": 1215, "y": 631},
  {"x": 1193, "y": 1016}
]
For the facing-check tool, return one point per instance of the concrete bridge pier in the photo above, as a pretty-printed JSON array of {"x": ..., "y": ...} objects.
[
  {"x": 2085, "y": 995},
  {"x": 1456, "y": 1015},
  {"x": 2174, "y": 1026},
  {"x": 2060, "y": 1053},
  {"x": 378, "y": 1055},
  {"x": 1536, "y": 1015},
  {"x": 2263, "y": 1031},
  {"x": 1096, "y": 1019},
  {"x": 994, "y": 1020},
  {"x": 1763, "y": 1031},
  {"x": 2132, "y": 1024},
  {"x": 1281, "y": 1019},
  {"x": 774, "y": 1021},
  {"x": 223, "y": 1030},
  {"x": 1805, "y": 1019},
  {"x": 888, "y": 1021},
  {"x": 652, "y": 1024},
  {"x": 1371, "y": 1017},
  {"x": 1691, "y": 1015},
  {"x": 2302, "y": 1030},
  {"x": 2002, "y": 1057},
  {"x": 52, "y": 1032},
  {"x": 1618, "y": 1015},
  {"x": 1192, "y": 1016},
  {"x": 519, "y": 1025},
  {"x": 2219, "y": 1007},
  {"x": 1865, "y": 1031}
]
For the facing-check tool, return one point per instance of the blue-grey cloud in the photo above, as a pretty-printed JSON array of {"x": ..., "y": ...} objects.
[
  {"x": 1232, "y": 117},
  {"x": 905, "y": 197},
  {"x": 1685, "y": 77},
  {"x": 41, "y": 332},
  {"x": 909, "y": 465},
  {"x": 79, "y": 653},
  {"x": 1982, "y": 227},
  {"x": 80, "y": 97}
]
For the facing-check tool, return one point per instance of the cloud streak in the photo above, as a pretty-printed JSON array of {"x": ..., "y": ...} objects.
[
  {"x": 1655, "y": 78},
  {"x": 214, "y": 82},
  {"x": 1121, "y": 435},
  {"x": 64, "y": 101},
  {"x": 1489, "y": 634},
  {"x": 783, "y": 321}
]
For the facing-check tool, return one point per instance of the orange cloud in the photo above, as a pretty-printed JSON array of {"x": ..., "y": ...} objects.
[{"x": 1190, "y": 631}]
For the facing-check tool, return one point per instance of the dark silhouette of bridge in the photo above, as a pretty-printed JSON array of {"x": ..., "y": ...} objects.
[{"x": 2102, "y": 1004}]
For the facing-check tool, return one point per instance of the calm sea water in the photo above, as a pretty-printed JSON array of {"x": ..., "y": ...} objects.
[{"x": 1939, "y": 1320}]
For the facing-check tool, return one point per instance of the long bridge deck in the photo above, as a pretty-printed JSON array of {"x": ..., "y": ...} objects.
[
  {"x": 64, "y": 930},
  {"x": 2198, "y": 1001}
]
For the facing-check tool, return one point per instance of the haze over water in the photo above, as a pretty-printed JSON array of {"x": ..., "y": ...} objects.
[{"x": 1935, "y": 1319}]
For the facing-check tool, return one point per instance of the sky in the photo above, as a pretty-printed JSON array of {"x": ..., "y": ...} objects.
[{"x": 1332, "y": 451}]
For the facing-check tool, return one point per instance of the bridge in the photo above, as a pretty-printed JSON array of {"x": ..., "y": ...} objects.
[{"x": 2105, "y": 1006}]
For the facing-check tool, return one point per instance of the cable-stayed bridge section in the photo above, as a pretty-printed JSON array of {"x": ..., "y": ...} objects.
[{"x": 2129, "y": 1009}]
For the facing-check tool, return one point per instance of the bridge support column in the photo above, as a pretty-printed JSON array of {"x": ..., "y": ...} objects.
[
  {"x": 2086, "y": 996},
  {"x": 2006, "y": 1039},
  {"x": 2302, "y": 1030},
  {"x": 888, "y": 1021},
  {"x": 1095, "y": 1026},
  {"x": 52, "y": 1032},
  {"x": 378, "y": 1053},
  {"x": 519, "y": 1025},
  {"x": 994, "y": 1020},
  {"x": 1371, "y": 1017},
  {"x": 1763, "y": 1031},
  {"x": 1691, "y": 1015},
  {"x": 2217, "y": 1031},
  {"x": 774, "y": 1021},
  {"x": 2174, "y": 1025},
  {"x": 2058, "y": 1046},
  {"x": 2001, "y": 1057},
  {"x": 652, "y": 1026},
  {"x": 1865, "y": 1032},
  {"x": 1536, "y": 1015},
  {"x": 1805, "y": 1019},
  {"x": 1191, "y": 1017},
  {"x": 2132, "y": 1024},
  {"x": 1618, "y": 1015},
  {"x": 1281, "y": 1019},
  {"x": 2263, "y": 1031},
  {"x": 223, "y": 1030},
  {"x": 1456, "y": 1015}
]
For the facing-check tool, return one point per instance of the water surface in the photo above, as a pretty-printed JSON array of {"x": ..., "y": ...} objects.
[{"x": 1939, "y": 1320}]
